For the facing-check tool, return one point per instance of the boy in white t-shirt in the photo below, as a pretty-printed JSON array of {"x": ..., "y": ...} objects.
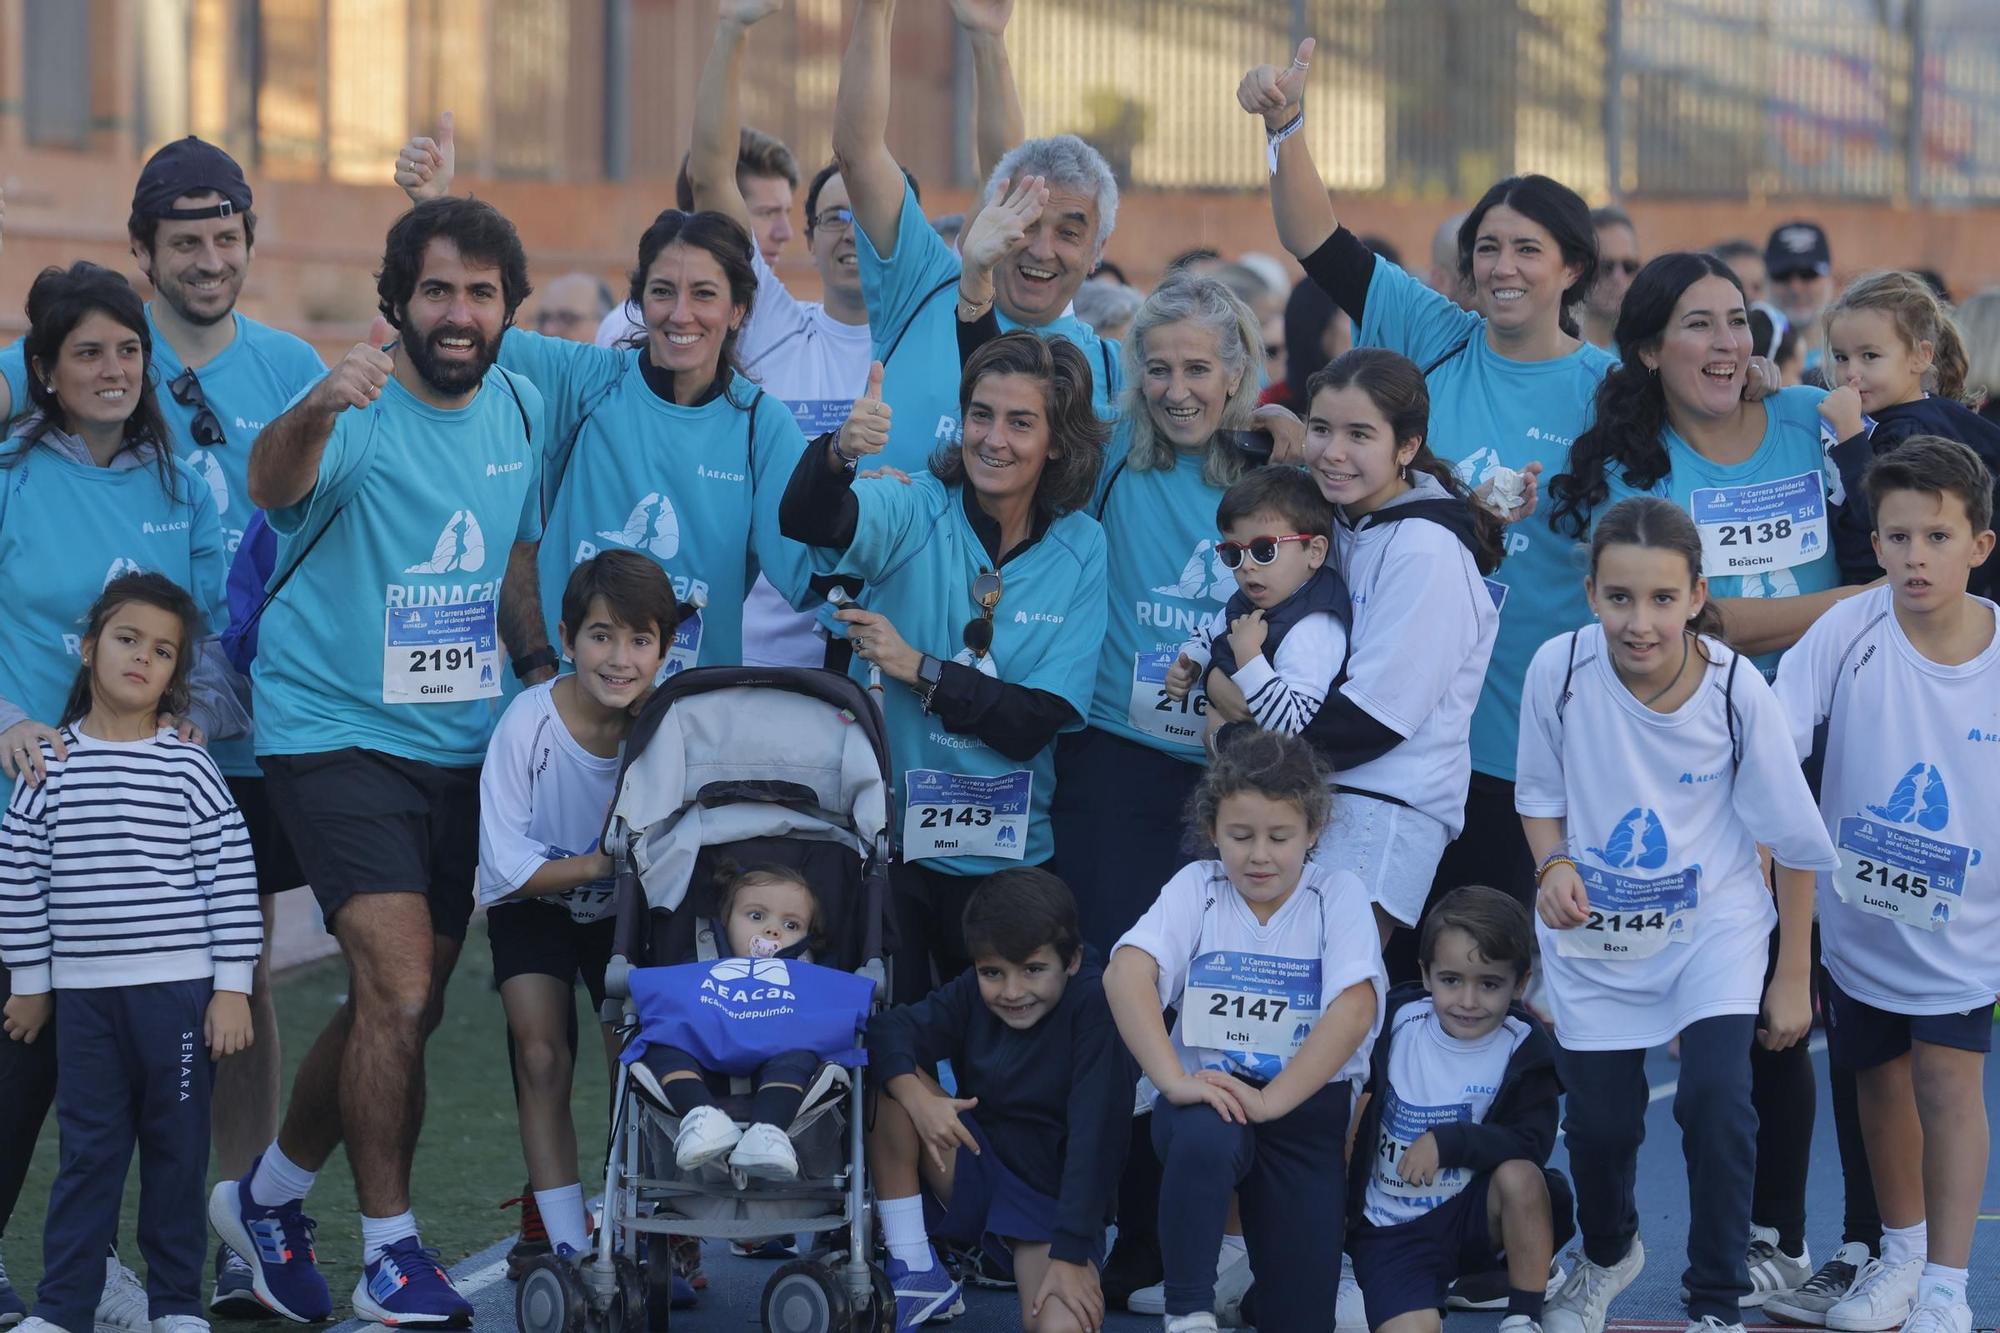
[
  {"x": 1272, "y": 654},
  {"x": 543, "y": 796},
  {"x": 1907, "y": 680},
  {"x": 1459, "y": 1127}
]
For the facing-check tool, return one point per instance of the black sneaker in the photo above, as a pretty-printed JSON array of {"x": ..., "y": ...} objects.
[
  {"x": 1133, "y": 1265},
  {"x": 533, "y": 1241},
  {"x": 990, "y": 1266},
  {"x": 234, "y": 1295}
]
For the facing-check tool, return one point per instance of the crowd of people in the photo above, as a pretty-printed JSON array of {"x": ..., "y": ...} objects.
[{"x": 1362, "y": 716}]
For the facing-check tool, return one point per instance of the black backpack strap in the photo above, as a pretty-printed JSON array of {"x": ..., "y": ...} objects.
[
  {"x": 1729, "y": 712},
  {"x": 1117, "y": 471},
  {"x": 1569, "y": 672},
  {"x": 1426, "y": 372},
  {"x": 1111, "y": 385},
  {"x": 928, "y": 297},
  {"x": 552, "y": 475}
]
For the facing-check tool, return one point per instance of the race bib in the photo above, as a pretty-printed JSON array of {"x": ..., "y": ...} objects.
[
  {"x": 586, "y": 902},
  {"x": 1153, "y": 713},
  {"x": 1632, "y": 918},
  {"x": 958, "y": 814},
  {"x": 441, "y": 654},
  {"x": 1402, "y": 1125},
  {"x": 685, "y": 649},
  {"x": 1761, "y": 527},
  {"x": 1259, "y": 1008},
  {"x": 1899, "y": 873}
]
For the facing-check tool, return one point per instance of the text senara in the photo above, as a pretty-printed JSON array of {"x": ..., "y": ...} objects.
[{"x": 453, "y": 594}]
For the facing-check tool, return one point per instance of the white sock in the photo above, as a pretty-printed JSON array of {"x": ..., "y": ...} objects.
[
  {"x": 279, "y": 1179},
  {"x": 1902, "y": 1244},
  {"x": 379, "y": 1233},
  {"x": 903, "y": 1232},
  {"x": 1230, "y": 1242},
  {"x": 1942, "y": 1286},
  {"x": 563, "y": 1216}
]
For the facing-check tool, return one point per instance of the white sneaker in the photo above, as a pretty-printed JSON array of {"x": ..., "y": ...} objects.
[
  {"x": 1232, "y": 1279},
  {"x": 122, "y": 1307},
  {"x": 1581, "y": 1304},
  {"x": 1708, "y": 1323},
  {"x": 765, "y": 1153},
  {"x": 180, "y": 1323},
  {"x": 1350, "y": 1311},
  {"x": 34, "y": 1323},
  {"x": 1880, "y": 1299},
  {"x": 1519, "y": 1323},
  {"x": 1772, "y": 1271},
  {"x": 1201, "y": 1321},
  {"x": 706, "y": 1134},
  {"x": 1808, "y": 1302},
  {"x": 1940, "y": 1316}
]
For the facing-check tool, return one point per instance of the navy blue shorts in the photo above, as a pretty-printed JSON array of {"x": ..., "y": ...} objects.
[
  {"x": 1410, "y": 1266},
  {"x": 1860, "y": 1036},
  {"x": 991, "y": 1206}
]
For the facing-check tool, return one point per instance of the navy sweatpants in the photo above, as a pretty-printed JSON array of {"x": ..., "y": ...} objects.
[
  {"x": 132, "y": 1069},
  {"x": 1290, "y": 1177},
  {"x": 1604, "y": 1121},
  {"x": 27, "y": 1085}
]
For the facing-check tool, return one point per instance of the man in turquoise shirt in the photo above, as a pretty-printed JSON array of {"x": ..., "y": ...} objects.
[
  {"x": 909, "y": 276},
  {"x": 222, "y": 376},
  {"x": 405, "y": 489}
]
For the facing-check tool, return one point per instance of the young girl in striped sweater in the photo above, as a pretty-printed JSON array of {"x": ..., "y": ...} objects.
[{"x": 127, "y": 886}]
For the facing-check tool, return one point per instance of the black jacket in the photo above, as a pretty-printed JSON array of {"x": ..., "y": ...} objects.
[
  {"x": 1853, "y": 523},
  {"x": 1521, "y": 1123}
]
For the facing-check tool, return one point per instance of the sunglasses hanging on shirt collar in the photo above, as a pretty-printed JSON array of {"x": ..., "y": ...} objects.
[
  {"x": 206, "y": 427},
  {"x": 978, "y": 632}
]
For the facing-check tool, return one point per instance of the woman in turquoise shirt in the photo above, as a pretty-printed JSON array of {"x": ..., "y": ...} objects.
[
  {"x": 1191, "y": 388},
  {"x": 89, "y": 488},
  {"x": 980, "y": 620},
  {"x": 1672, "y": 422}
]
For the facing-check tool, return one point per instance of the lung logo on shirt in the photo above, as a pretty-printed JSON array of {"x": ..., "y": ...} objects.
[
  {"x": 122, "y": 566},
  {"x": 771, "y": 971},
  {"x": 1204, "y": 575},
  {"x": 1920, "y": 799},
  {"x": 653, "y": 526},
  {"x": 461, "y": 547},
  {"x": 1638, "y": 842},
  {"x": 210, "y": 471}
]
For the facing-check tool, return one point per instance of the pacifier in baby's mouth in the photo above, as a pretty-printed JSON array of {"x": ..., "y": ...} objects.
[{"x": 763, "y": 947}]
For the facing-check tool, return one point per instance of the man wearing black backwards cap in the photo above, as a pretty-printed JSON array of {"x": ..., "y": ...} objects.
[
  {"x": 1800, "y": 265},
  {"x": 221, "y": 376}
]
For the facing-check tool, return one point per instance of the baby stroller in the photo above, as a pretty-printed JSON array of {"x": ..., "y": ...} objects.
[{"x": 748, "y": 766}]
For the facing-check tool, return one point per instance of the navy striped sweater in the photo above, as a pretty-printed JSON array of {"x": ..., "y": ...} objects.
[{"x": 128, "y": 865}]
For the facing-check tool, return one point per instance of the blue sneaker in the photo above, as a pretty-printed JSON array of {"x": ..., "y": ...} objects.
[
  {"x": 927, "y": 1297},
  {"x": 277, "y": 1244},
  {"x": 407, "y": 1288},
  {"x": 234, "y": 1295},
  {"x": 12, "y": 1309}
]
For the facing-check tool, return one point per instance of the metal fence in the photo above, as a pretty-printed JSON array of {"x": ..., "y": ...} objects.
[{"x": 1864, "y": 99}]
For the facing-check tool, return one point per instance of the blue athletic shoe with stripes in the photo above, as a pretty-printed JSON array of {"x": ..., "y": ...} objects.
[
  {"x": 922, "y": 1298},
  {"x": 406, "y": 1287},
  {"x": 277, "y": 1244}
]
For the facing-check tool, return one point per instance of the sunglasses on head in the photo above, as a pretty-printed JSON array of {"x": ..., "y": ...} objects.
[
  {"x": 978, "y": 632},
  {"x": 206, "y": 428},
  {"x": 1261, "y": 550}
]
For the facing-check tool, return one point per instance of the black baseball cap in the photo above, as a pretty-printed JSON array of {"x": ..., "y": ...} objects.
[
  {"x": 1798, "y": 247},
  {"x": 190, "y": 166}
]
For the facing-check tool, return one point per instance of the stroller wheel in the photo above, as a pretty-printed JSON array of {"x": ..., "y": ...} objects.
[
  {"x": 627, "y": 1310},
  {"x": 657, "y": 1284},
  {"x": 806, "y": 1297},
  {"x": 551, "y": 1298},
  {"x": 881, "y": 1316}
]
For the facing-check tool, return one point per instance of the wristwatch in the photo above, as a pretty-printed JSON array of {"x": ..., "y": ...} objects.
[
  {"x": 544, "y": 656},
  {"x": 929, "y": 672}
]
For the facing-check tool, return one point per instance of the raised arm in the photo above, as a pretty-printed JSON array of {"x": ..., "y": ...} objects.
[
  {"x": 6, "y": 390},
  {"x": 1299, "y": 201},
  {"x": 998, "y": 124},
  {"x": 284, "y": 461},
  {"x": 861, "y": 127},
  {"x": 425, "y": 166},
  {"x": 718, "y": 112}
]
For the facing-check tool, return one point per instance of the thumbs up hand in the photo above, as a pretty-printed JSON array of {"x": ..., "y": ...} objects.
[
  {"x": 867, "y": 426},
  {"x": 358, "y": 379},
  {"x": 425, "y": 166},
  {"x": 1277, "y": 94}
]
